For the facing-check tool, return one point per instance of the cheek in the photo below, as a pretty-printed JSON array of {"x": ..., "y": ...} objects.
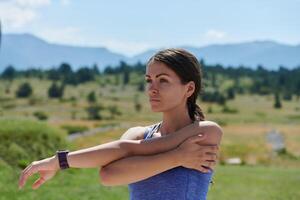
[{"x": 172, "y": 94}]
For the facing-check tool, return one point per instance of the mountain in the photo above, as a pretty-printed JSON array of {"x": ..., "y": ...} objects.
[
  {"x": 25, "y": 50},
  {"x": 269, "y": 54}
]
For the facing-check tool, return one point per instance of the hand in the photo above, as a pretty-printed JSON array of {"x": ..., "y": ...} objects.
[
  {"x": 47, "y": 168},
  {"x": 195, "y": 156}
]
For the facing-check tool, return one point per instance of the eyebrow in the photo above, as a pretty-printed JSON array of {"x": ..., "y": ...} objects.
[{"x": 158, "y": 75}]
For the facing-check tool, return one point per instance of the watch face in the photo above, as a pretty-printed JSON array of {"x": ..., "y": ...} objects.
[{"x": 62, "y": 159}]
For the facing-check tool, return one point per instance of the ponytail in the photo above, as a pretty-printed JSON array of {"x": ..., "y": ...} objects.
[{"x": 195, "y": 112}]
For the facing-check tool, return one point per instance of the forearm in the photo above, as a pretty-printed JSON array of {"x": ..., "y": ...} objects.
[
  {"x": 103, "y": 154},
  {"x": 164, "y": 143},
  {"x": 136, "y": 168},
  {"x": 100, "y": 155}
]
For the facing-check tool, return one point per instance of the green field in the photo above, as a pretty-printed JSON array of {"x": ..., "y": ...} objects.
[
  {"x": 231, "y": 182},
  {"x": 262, "y": 176}
]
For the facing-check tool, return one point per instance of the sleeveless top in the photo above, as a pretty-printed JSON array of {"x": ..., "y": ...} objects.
[{"x": 178, "y": 183}]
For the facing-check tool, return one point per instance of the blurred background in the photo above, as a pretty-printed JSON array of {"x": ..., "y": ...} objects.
[{"x": 72, "y": 76}]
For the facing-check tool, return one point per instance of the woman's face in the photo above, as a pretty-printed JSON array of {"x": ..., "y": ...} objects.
[{"x": 164, "y": 88}]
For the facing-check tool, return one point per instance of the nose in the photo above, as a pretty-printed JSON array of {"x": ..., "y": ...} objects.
[{"x": 152, "y": 88}]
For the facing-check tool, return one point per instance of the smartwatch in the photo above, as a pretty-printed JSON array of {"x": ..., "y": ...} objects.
[{"x": 62, "y": 159}]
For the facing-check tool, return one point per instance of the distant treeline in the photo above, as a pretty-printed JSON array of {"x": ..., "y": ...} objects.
[{"x": 283, "y": 81}]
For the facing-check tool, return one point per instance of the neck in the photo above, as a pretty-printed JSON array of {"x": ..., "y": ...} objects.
[{"x": 174, "y": 120}]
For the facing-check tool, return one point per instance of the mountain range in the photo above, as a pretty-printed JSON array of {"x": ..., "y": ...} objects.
[{"x": 25, "y": 51}]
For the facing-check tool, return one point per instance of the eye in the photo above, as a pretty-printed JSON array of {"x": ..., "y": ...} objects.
[
  {"x": 163, "y": 80},
  {"x": 148, "y": 81}
]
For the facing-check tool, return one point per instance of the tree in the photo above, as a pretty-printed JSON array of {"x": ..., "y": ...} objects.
[
  {"x": 277, "y": 103},
  {"x": 85, "y": 74},
  {"x": 55, "y": 91},
  {"x": 141, "y": 87},
  {"x": 24, "y": 90},
  {"x": 92, "y": 97},
  {"x": 65, "y": 69},
  {"x": 114, "y": 110},
  {"x": 96, "y": 69},
  {"x": 9, "y": 73},
  {"x": 94, "y": 112},
  {"x": 126, "y": 77},
  {"x": 230, "y": 93}
]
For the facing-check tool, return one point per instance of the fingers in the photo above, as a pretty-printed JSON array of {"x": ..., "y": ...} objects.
[
  {"x": 26, "y": 173},
  {"x": 203, "y": 169},
  {"x": 197, "y": 138},
  {"x": 38, "y": 183},
  {"x": 211, "y": 157},
  {"x": 209, "y": 164},
  {"x": 210, "y": 149}
]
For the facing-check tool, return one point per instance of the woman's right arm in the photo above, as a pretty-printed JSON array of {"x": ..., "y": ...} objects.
[
  {"x": 210, "y": 131},
  {"x": 195, "y": 152},
  {"x": 136, "y": 168},
  {"x": 104, "y": 154}
]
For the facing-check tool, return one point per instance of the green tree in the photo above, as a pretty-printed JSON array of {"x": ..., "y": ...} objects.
[
  {"x": 126, "y": 77},
  {"x": 92, "y": 97},
  {"x": 24, "y": 90},
  {"x": 277, "y": 103},
  {"x": 230, "y": 93},
  {"x": 114, "y": 110},
  {"x": 9, "y": 73},
  {"x": 56, "y": 91},
  {"x": 141, "y": 87},
  {"x": 93, "y": 112}
]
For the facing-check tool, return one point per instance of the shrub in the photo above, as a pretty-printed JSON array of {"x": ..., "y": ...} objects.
[
  {"x": 56, "y": 91},
  {"x": 74, "y": 129},
  {"x": 91, "y": 98},
  {"x": 23, "y": 141},
  {"x": 40, "y": 115},
  {"x": 93, "y": 112},
  {"x": 229, "y": 110},
  {"x": 24, "y": 90},
  {"x": 114, "y": 110}
]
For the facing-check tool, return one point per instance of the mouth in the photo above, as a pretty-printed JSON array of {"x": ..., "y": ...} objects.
[{"x": 154, "y": 100}]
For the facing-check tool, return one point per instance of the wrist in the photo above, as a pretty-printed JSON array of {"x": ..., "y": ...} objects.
[
  {"x": 55, "y": 162},
  {"x": 176, "y": 157}
]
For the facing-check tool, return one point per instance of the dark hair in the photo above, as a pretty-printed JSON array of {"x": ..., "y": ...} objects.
[{"x": 187, "y": 67}]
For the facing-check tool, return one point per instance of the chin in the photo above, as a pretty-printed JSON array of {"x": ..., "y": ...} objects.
[{"x": 155, "y": 108}]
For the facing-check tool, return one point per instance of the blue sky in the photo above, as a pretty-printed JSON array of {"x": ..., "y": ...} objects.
[{"x": 132, "y": 26}]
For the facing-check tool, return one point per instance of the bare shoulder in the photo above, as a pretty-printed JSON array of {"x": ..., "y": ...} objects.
[
  {"x": 212, "y": 131},
  {"x": 134, "y": 133},
  {"x": 210, "y": 126}
]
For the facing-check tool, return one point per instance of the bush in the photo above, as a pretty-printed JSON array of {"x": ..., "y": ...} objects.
[
  {"x": 23, "y": 141},
  {"x": 91, "y": 98},
  {"x": 40, "y": 115},
  {"x": 74, "y": 129},
  {"x": 114, "y": 110},
  {"x": 229, "y": 110},
  {"x": 93, "y": 112},
  {"x": 24, "y": 90},
  {"x": 56, "y": 91}
]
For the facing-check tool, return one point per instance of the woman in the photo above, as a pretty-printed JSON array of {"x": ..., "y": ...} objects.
[{"x": 172, "y": 159}]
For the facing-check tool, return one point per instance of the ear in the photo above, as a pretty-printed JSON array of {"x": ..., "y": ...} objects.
[{"x": 190, "y": 88}]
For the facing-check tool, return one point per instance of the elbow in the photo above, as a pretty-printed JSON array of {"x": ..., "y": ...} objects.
[{"x": 106, "y": 177}]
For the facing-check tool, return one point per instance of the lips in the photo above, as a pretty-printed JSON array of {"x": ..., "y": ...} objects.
[{"x": 155, "y": 100}]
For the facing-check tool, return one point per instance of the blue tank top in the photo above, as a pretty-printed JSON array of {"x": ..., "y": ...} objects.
[{"x": 179, "y": 183}]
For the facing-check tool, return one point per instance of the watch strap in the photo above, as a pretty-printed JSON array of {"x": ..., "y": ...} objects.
[{"x": 62, "y": 159}]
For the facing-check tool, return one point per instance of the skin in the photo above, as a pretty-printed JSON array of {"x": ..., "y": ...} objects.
[
  {"x": 179, "y": 142},
  {"x": 167, "y": 95}
]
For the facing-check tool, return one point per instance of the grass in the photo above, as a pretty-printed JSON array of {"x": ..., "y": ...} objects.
[
  {"x": 257, "y": 183},
  {"x": 263, "y": 177},
  {"x": 231, "y": 183}
]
